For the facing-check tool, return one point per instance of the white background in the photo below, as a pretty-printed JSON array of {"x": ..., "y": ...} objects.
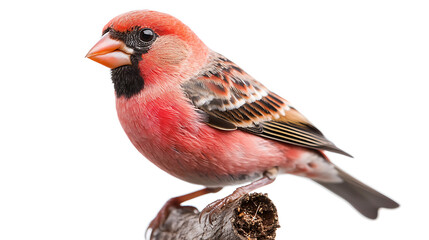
[{"x": 357, "y": 69}]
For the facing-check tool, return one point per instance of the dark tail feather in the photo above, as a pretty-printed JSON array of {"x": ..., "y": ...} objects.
[{"x": 362, "y": 197}]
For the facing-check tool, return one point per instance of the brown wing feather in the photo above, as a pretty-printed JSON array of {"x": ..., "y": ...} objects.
[{"x": 232, "y": 99}]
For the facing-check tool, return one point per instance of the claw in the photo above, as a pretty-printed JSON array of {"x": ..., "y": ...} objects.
[
  {"x": 214, "y": 208},
  {"x": 161, "y": 216},
  {"x": 148, "y": 233},
  {"x": 174, "y": 202}
]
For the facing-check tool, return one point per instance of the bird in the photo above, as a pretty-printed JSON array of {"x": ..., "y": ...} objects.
[{"x": 201, "y": 118}]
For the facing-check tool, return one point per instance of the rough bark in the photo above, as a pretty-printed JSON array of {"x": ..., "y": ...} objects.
[{"x": 253, "y": 216}]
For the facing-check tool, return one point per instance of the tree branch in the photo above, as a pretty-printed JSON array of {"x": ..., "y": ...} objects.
[{"x": 253, "y": 216}]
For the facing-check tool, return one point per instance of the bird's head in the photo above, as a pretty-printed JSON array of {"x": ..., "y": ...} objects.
[{"x": 148, "y": 49}]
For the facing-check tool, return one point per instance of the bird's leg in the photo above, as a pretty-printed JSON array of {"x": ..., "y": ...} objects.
[
  {"x": 175, "y": 202},
  {"x": 268, "y": 177}
]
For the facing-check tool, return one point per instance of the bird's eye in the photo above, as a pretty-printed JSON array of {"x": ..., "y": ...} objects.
[{"x": 147, "y": 35}]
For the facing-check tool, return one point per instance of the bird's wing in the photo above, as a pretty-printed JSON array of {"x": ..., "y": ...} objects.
[{"x": 231, "y": 99}]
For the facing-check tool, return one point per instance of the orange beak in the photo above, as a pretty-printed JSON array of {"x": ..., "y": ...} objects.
[{"x": 110, "y": 52}]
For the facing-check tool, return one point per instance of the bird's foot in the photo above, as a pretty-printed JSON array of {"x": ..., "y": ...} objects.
[
  {"x": 175, "y": 203},
  {"x": 215, "y": 207},
  {"x": 162, "y": 215}
]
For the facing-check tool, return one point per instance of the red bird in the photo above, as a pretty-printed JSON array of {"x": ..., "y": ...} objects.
[{"x": 201, "y": 118}]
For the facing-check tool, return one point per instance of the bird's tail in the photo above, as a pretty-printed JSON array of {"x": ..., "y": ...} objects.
[{"x": 362, "y": 197}]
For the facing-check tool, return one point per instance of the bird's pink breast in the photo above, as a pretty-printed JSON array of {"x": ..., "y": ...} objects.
[{"x": 170, "y": 133}]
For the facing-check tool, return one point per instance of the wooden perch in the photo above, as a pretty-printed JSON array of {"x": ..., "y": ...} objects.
[{"x": 253, "y": 216}]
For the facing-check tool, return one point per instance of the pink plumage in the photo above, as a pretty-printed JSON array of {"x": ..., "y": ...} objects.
[
  {"x": 200, "y": 117},
  {"x": 170, "y": 129}
]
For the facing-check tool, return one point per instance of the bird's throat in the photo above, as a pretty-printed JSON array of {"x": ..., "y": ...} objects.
[{"x": 127, "y": 81}]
